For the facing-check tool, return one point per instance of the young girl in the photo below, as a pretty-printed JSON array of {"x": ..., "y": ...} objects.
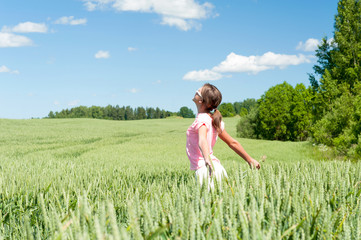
[{"x": 203, "y": 133}]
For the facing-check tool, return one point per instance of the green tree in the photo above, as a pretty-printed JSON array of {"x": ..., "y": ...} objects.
[
  {"x": 336, "y": 98},
  {"x": 51, "y": 114},
  {"x": 79, "y": 112},
  {"x": 157, "y": 113},
  {"x": 302, "y": 112},
  {"x": 275, "y": 113},
  {"x": 140, "y": 113},
  {"x": 243, "y": 112},
  {"x": 227, "y": 110},
  {"x": 186, "y": 112},
  {"x": 150, "y": 112},
  {"x": 96, "y": 112},
  {"x": 129, "y": 113},
  {"x": 249, "y": 125}
]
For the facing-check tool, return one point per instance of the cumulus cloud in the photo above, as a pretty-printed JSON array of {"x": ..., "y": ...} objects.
[
  {"x": 27, "y": 27},
  {"x": 13, "y": 40},
  {"x": 71, "y": 21},
  {"x": 5, "y": 69},
  {"x": 132, "y": 49},
  {"x": 202, "y": 75},
  {"x": 181, "y": 14},
  {"x": 134, "y": 90},
  {"x": 235, "y": 63},
  {"x": 102, "y": 54},
  {"x": 310, "y": 45}
]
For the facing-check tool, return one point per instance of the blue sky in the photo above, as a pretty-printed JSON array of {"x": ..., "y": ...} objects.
[{"x": 152, "y": 53}]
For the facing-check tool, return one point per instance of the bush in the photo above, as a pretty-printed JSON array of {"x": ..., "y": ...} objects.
[{"x": 247, "y": 125}]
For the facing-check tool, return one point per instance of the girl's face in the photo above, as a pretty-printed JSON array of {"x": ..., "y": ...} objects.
[{"x": 198, "y": 99}]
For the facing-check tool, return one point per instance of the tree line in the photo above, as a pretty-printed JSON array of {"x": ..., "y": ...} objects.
[
  {"x": 127, "y": 113},
  {"x": 328, "y": 111},
  {"x": 112, "y": 113}
]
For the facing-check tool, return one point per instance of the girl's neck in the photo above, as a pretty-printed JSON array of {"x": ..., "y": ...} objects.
[{"x": 201, "y": 109}]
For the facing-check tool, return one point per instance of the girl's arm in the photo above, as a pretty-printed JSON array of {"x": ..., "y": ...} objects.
[
  {"x": 237, "y": 148},
  {"x": 203, "y": 146}
]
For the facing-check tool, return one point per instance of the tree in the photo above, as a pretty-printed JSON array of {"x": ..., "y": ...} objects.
[
  {"x": 140, "y": 113},
  {"x": 79, "y": 112},
  {"x": 227, "y": 110},
  {"x": 150, "y": 113},
  {"x": 243, "y": 112},
  {"x": 336, "y": 96},
  {"x": 275, "y": 112},
  {"x": 186, "y": 112},
  {"x": 51, "y": 115},
  {"x": 248, "y": 125},
  {"x": 157, "y": 113},
  {"x": 129, "y": 113},
  {"x": 96, "y": 112},
  {"x": 302, "y": 112}
]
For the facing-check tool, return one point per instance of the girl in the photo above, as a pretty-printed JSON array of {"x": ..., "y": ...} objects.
[{"x": 203, "y": 133}]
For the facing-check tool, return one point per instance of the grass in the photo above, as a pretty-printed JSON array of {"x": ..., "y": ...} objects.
[{"x": 99, "y": 179}]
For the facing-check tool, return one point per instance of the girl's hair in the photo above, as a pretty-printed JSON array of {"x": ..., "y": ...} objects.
[{"x": 212, "y": 97}]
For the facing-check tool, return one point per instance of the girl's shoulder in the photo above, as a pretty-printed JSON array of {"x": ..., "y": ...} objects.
[{"x": 203, "y": 117}]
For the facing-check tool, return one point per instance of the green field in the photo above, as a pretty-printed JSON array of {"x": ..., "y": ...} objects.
[{"x": 99, "y": 179}]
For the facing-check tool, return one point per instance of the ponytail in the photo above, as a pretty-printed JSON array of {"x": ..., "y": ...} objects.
[{"x": 217, "y": 119}]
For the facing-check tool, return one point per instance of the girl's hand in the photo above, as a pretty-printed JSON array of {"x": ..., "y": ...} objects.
[
  {"x": 254, "y": 164},
  {"x": 209, "y": 165}
]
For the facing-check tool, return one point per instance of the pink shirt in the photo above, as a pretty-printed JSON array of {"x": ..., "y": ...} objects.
[{"x": 194, "y": 153}]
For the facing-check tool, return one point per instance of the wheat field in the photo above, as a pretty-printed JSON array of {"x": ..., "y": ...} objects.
[{"x": 99, "y": 179}]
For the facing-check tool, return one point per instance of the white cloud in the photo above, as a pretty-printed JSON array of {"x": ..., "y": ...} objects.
[
  {"x": 181, "y": 23},
  {"x": 27, "y": 27},
  {"x": 5, "y": 69},
  {"x": 73, "y": 103},
  {"x": 90, "y": 6},
  {"x": 247, "y": 64},
  {"x": 71, "y": 21},
  {"x": 12, "y": 40},
  {"x": 202, "y": 75},
  {"x": 56, "y": 103},
  {"x": 134, "y": 90},
  {"x": 256, "y": 64},
  {"x": 181, "y": 14},
  {"x": 132, "y": 49},
  {"x": 102, "y": 54},
  {"x": 309, "y": 46}
]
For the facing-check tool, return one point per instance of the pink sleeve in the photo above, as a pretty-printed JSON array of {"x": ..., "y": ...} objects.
[
  {"x": 203, "y": 121},
  {"x": 222, "y": 126}
]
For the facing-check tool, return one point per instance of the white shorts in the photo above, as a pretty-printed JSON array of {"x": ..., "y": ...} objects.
[{"x": 218, "y": 172}]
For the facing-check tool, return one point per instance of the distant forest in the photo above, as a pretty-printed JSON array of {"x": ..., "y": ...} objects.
[
  {"x": 112, "y": 113},
  {"x": 127, "y": 113}
]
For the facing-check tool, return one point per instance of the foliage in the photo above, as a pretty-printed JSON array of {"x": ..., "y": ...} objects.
[
  {"x": 227, "y": 110},
  {"x": 247, "y": 126},
  {"x": 285, "y": 113},
  {"x": 186, "y": 112},
  {"x": 111, "y": 113},
  {"x": 94, "y": 179},
  {"x": 336, "y": 100},
  {"x": 247, "y": 104}
]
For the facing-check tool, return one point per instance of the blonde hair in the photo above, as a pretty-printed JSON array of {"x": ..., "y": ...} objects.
[{"x": 212, "y": 97}]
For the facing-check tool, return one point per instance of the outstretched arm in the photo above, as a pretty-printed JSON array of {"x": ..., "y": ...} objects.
[
  {"x": 203, "y": 146},
  {"x": 237, "y": 148}
]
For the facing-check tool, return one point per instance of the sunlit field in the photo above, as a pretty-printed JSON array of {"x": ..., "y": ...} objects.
[{"x": 99, "y": 179}]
